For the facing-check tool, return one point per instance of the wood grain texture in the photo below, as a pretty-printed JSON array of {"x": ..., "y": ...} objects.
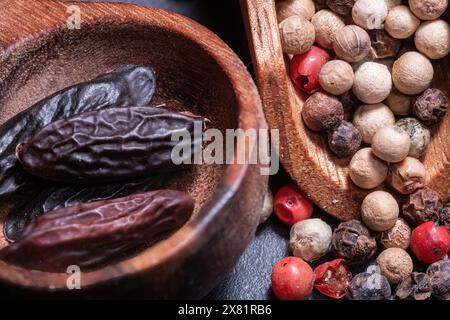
[
  {"x": 195, "y": 71},
  {"x": 305, "y": 154}
]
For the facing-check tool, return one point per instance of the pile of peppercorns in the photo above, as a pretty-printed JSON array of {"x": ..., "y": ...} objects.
[{"x": 377, "y": 77}]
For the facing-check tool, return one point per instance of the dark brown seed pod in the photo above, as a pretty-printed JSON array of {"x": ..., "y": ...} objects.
[
  {"x": 344, "y": 140},
  {"x": 430, "y": 106},
  {"x": 90, "y": 235},
  {"x": 369, "y": 286},
  {"x": 322, "y": 112},
  {"x": 341, "y": 7},
  {"x": 384, "y": 45},
  {"x": 439, "y": 273},
  {"x": 415, "y": 287},
  {"x": 110, "y": 145},
  {"x": 422, "y": 206},
  {"x": 352, "y": 241}
]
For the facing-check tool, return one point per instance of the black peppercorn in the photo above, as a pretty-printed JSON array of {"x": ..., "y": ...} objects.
[
  {"x": 341, "y": 7},
  {"x": 444, "y": 217},
  {"x": 344, "y": 140},
  {"x": 384, "y": 45},
  {"x": 369, "y": 286},
  {"x": 350, "y": 102},
  {"x": 415, "y": 287},
  {"x": 430, "y": 106},
  {"x": 422, "y": 206},
  {"x": 352, "y": 241},
  {"x": 439, "y": 273}
]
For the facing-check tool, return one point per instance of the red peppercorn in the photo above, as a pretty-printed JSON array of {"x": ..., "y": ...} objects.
[
  {"x": 333, "y": 278},
  {"x": 305, "y": 68},
  {"x": 292, "y": 279},
  {"x": 291, "y": 205},
  {"x": 429, "y": 242}
]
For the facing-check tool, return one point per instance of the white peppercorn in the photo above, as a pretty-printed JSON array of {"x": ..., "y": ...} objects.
[
  {"x": 401, "y": 23},
  {"x": 372, "y": 83},
  {"x": 366, "y": 170},
  {"x": 391, "y": 144},
  {"x": 412, "y": 73},
  {"x": 296, "y": 34},
  {"x": 407, "y": 176},
  {"x": 326, "y": 24},
  {"x": 379, "y": 211},
  {"x": 352, "y": 43},
  {"x": 433, "y": 39},
  {"x": 399, "y": 103},
  {"x": 428, "y": 9},
  {"x": 369, "y": 14},
  {"x": 395, "y": 264},
  {"x": 419, "y": 134},
  {"x": 370, "y": 118},
  {"x": 287, "y": 8},
  {"x": 396, "y": 237},
  {"x": 310, "y": 239},
  {"x": 336, "y": 77}
]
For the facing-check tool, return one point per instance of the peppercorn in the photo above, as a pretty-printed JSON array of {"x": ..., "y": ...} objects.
[
  {"x": 395, "y": 264},
  {"x": 352, "y": 43},
  {"x": 344, "y": 140},
  {"x": 391, "y": 144},
  {"x": 407, "y": 176},
  {"x": 333, "y": 278},
  {"x": 366, "y": 170},
  {"x": 379, "y": 211},
  {"x": 369, "y": 14},
  {"x": 432, "y": 38},
  {"x": 310, "y": 239},
  {"x": 415, "y": 287},
  {"x": 430, "y": 243},
  {"x": 336, "y": 77},
  {"x": 287, "y": 8},
  {"x": 326, "y": 24},
  {"x": 430, "y": 106},
  {"x": 384, "y": 45},
  {"x": 369, "y": 119},
  {"x": 267, "y": 208},
  {"x": 296, "y": 34},
  {"x": 291, "y": 205},
  {"x": 399, "y": 103},
  {"x": 412, "y": 73},
  {"x": 322, "y": 112},
  {"x": 349, "y": 102},
  {"x": 401, "y": 23},
  {"x": 418, "y": 133},
  {"x": 428, "y": 9},
  {"x": 439, "y": 273},
  {"x": 341, "y": 7},
  {"x": 373, "y": 82},
  {"x": 352, "y": 241},
  {"x": 369, "y": 286},
  {"x": 422, "y": 206},
  {"x": 396, "y": 237},
  {"x": 444, "y": 217}
]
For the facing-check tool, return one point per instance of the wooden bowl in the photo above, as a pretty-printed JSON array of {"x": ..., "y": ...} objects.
[
  {"x": 197, "y": 72},
  {"x": 305, "y": 154}
]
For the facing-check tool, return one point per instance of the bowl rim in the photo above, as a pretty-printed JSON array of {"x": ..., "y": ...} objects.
[{"x": 250, "y": 116}]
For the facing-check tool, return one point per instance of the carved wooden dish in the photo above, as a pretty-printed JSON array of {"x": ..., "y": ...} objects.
[
  {"x": 305, "y": 154},
  {"x": 196, "y": 72}
]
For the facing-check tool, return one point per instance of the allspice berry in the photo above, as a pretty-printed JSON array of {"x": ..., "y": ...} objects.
[
  {"x": 366, "y": 170},
  {"x": 310, "y": 239},
  {"x": 391, "y": 144},
  {"x": 412, "y": 73},
  {"x": 287, "y": 8},
  {"x": 296, "y": 34},
  {"x": 384, "y": 45},
  {"x": 428, "y": 9},
  {"x": 399, "y": 103},
  {"x": 370, "y": 118},
  {"x": 431, "y": 106},
  {"x": 336, "y": 77},
  {"x": 379, "y": 211},
  {"x": 352, "y": 43},
  {"x": 395, "y": 264},
  {"x": 419, "y": 134},
  {"x": 344, "y": 140},
  {"x": 326, "y": 24},
  {"x": 433, "y": 39},
  {"x": 369, "y": 14},
  {"x": 341, "y": 7},
  {"x": 422, "y": 206},
  {"x": 398, "y": 236},
  {"x": 401, "y": 23},
  {"x": 372, "y": 83},
  {"x": 407, "y": 176},
  {"x": 322, "y": 112}
]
